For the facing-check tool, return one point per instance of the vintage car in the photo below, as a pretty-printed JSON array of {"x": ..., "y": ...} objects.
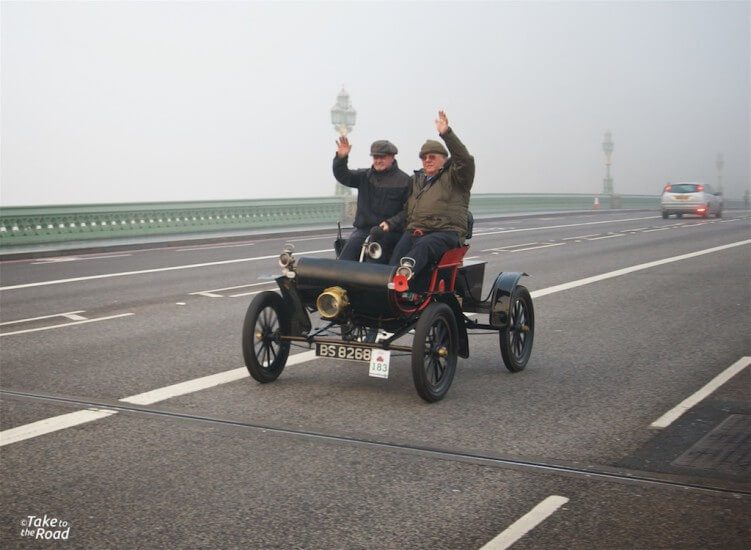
[{"x": 365, "y": 308}]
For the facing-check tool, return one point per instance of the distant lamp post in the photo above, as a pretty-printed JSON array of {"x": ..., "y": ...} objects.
[
  {"x": 719, "y": 163},
  {"x": 607, "y": 147},
  {"x": 343, "y": 118},
  {"x": 342, "y": 114}
]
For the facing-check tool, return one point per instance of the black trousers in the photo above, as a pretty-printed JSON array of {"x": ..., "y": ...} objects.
[
  {"x": 425, "y": 250},
  {"x": 352, "y": 249}
]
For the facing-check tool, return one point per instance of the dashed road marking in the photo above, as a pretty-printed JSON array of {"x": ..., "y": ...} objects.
[
  {"x": 676, "y": 412},
  {"x": 217, "y": 292},
  {"x": 155, "y": 270},
  {"x": 72, "y": 315},
  {"x": 61, "y": 325},
  {"x": 634, "y": 268},
  {"x": 526, "y": 523},
  {"x": 52, "y": 424}
]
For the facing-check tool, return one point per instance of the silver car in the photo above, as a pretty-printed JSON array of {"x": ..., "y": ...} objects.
[{"x": 690, "y": 198}]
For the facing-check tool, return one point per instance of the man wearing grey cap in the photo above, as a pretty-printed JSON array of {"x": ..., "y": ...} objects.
[
  {"x": 381, "y": 192},
  {"x": 435, "y": 217}
]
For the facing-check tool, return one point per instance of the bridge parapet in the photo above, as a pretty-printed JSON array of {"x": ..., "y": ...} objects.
[{"x": 50, "y": 224}]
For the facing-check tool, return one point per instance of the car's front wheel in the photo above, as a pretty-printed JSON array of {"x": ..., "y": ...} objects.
[{"x": 265, "y": 353}]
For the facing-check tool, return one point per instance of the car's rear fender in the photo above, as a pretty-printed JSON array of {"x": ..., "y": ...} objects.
[{"x": 500, "y": 297}]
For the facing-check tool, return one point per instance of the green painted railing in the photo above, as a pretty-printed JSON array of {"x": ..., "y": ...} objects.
[{"x": 50, "y": 224}]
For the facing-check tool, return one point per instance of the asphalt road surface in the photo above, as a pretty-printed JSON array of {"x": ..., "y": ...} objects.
[{"x": 129, "y": 420}]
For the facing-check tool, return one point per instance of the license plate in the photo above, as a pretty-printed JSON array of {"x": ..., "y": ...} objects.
[
  {"x": 344, "y": 351},
  {"x": 681, "y": 197}
]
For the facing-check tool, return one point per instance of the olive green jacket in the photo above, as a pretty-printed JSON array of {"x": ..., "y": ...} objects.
[{"x": 441, "y": 205}]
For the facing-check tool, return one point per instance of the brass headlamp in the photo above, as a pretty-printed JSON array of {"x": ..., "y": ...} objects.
[{"x": 332, "y": 302}]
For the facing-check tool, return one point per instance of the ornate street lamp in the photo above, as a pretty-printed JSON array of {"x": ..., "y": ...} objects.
[
  {"x": 607, "y": 147},
  {"x": 343, "y": 118},
  {"x": 342, "y": 114},
  {"x": 719, "y": 163}
]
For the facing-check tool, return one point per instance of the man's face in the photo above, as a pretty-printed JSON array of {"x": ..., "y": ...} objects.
[
  {"x": 432, "y": 163},
  {"x": 382, "y": 162}
]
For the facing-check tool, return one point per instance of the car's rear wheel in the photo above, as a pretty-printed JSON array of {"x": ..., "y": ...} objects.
[
  {"x": 434, "y": 352},
  {"x": 516, "y": 339},
  {"x": 665, "y": 215},
  {"x": 679, "y": 215}
]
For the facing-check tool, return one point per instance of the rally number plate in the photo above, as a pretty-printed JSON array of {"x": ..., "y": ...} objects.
[{"x": 344, "y": 351}]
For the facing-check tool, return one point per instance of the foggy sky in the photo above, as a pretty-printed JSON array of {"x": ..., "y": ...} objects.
[{"x": 170, "y": 101}]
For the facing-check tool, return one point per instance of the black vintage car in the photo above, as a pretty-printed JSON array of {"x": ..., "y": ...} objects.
[{"x": 364, "y": 308}]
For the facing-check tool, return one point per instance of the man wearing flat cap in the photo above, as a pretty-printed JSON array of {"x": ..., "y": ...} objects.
[
  {"x": 381, "y": 192},
  {"x": 435, "y": 216}
]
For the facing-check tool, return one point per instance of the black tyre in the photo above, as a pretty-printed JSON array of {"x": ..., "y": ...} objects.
[
  {"x": 719, "y": 213},
  {"x": 434, "y": 352},
  {"x": 266, "y": 320},
  {"x": 516, "y": 339},
  {"x": 665, "y": 215}
]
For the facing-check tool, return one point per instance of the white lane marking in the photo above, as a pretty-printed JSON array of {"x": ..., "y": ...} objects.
[
  {"x": 156, "y": 270},
  {"x": 565, "y": 225},
  {"x": 536, "y": 247},
  {"x": 676, "y": 412},
  {"x": 53, "y": 424},
  {"x": 73, "y": 315},
  {"x": 61, "y": 259},
  {"x": 318, "y": 238},
  {"x": 245, "y": 294},
  {"x": 660, "y": 229},
  {"x": 607, "y": 237},
  {"x": 60, "y": 325},
  {"x": 632, "y": 269},
  {"x": 526, "y": 523},
  {"x": 63, "y": 421},
  {"x": 209, "y": 247},
  {"x": 182, "y": 388},
  {"x": 503, "y": 248},
  {"x": 581, "y": 237},
  {"x": 213, "y": 292}
]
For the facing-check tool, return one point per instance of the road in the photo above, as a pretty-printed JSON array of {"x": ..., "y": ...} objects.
[{"x": 129, "y": 421}]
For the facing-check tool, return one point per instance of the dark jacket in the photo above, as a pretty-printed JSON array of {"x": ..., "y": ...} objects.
[
  {"x": 441, "y": 204},
  {"x": 380, "y": 195}
]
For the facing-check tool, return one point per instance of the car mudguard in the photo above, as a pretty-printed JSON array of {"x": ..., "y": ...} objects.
[
  {"x": 299, "y": 318},
  {"x": 500, "y": 297},
  {"x": 461, "y": 334}
]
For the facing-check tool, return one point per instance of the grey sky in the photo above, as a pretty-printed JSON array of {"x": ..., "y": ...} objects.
[{"x": 151, "y": 101}]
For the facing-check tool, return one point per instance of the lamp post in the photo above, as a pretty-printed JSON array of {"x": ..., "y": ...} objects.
[
  {"x": 343, "y": 118},
  {"x": 607, "y": 147},
  {"x": 719, "y": 163},
  {"x": 342, "y": 114}
]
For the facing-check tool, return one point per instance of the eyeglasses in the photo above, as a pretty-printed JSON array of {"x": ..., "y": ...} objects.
[
  {"x": 377, "y": 157},
  {"x": 430, "y": 156}
]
